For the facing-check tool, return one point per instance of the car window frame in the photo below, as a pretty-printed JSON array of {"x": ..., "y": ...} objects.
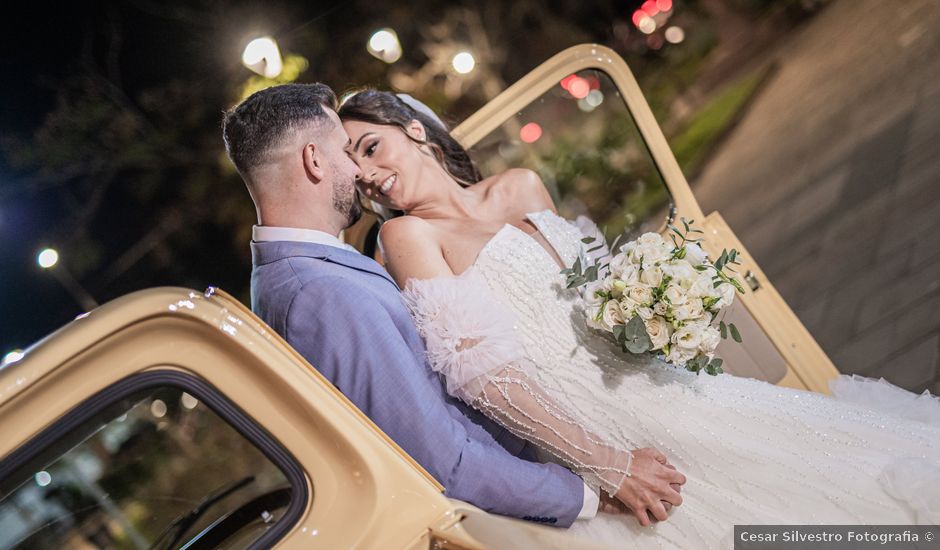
[{"x": 206, "y": 394}]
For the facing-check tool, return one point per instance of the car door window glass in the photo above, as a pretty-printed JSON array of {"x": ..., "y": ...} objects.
[
  {"x": 580, "y": 138},
  {"x": 157, "y": 468}
]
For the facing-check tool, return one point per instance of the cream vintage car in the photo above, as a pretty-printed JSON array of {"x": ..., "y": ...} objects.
[{"x": 172, "y": 418}]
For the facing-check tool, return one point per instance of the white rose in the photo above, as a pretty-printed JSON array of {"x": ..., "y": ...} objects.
[
  {"x": 630, "y": 274},
  {"x": 688, "y": 337},
  {"x": 650, "y": 238},
  {"x": 628, "y": 307},
  {"x": 725, "y": 294},
  {"x": 704, "y": 287},
  {"x": 591, "y": 289},
  {"x": 694, "y": 254},
  {"x": 651, "y": 276},
  {"x": 645, "y": 313},
  {"x": 659, "y": 331},
  {"x": 661, "y": 309},
  {"x": 679, "y": 356},
  {"x": 640, "y": 294},
  {"x": 651, "y": 248},
  {"x": 612, "y": 314},
  {"x": 620, "y": 266},
  {"x": 675, "y": 296},
  {"x": 682, "y": 273},
  {"x": 691, "y": 309},
  {"x": 711, "y": 337}
]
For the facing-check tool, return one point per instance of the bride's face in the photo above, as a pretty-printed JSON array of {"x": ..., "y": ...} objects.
[{"x": 392, "y": 165}]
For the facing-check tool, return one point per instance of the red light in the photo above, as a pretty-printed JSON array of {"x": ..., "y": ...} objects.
[
  {"x": 664, "y": 5},
  {"x": 650, "y": 8},
  {"x": 638, "y": 16},
  {"x": 565, "y": 82},
  {"x": 579, "y": 88},
  {"x": 594, "y": 83},
  {"x": 530, "y": 133}
]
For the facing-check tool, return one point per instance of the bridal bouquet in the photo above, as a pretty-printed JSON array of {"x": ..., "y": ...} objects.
[{"x": 661, "y": 297}]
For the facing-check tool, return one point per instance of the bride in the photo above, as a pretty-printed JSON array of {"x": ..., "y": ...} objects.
[{"x": 479, "y": 262}]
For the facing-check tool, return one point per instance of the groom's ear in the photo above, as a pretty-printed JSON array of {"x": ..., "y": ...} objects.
[
  {"x": 313, "y": 162},
  {"x": 416, "y": 130}
]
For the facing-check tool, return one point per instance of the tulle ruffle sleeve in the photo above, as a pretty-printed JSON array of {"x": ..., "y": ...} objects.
[
  {"x": 471, "y": 342},
  {"x": 468, "y": 336}
]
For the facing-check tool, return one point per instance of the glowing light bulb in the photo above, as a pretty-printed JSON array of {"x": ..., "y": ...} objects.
[
  {"x": 464, "y": 62},
  {"x": 47, "y": 258}
]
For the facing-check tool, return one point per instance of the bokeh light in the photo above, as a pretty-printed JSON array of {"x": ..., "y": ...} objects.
[
  {"x": 47, "y": 258},
  {"x": 262, "y": 56},
  {"x": 384, "y": 45},
  {"x": 675, "y": 35},
  {"x": 594, "y": 98},
  {"x": 579, "y": 87},
  {"x": 530, "y": 133},
  {"x": 464, "y": 62},
  {"x": 188, "y": 401},
  {"x": 43, "y": 478}
]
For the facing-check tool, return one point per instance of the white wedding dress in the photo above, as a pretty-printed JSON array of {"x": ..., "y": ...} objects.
[{"x": 510, "y": 339}]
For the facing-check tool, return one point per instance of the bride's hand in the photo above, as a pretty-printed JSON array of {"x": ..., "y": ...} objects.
[{"x": 650, "y": 486}]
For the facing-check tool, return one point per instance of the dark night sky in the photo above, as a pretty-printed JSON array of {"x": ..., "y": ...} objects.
[{"x": 44, "y": 43}]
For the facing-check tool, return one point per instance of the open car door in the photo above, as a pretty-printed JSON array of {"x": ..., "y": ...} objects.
[
  {"x": 581, "y": 122},
  {"x": 604, "y": 156}
]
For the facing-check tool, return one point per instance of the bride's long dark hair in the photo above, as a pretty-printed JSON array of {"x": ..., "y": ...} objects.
[{"x": 386, "y": 108}]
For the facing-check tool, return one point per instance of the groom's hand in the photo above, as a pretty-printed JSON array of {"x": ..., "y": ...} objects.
[{"x": 653, "y": 484}]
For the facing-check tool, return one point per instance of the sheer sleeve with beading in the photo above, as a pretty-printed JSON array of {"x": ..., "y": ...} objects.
[{"x": 471, "y": 342}]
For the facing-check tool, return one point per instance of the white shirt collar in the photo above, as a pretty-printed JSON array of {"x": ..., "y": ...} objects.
[{"x": 264, "y": 233}]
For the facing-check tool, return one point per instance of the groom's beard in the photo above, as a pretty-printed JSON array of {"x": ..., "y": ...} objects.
[{"x": 346, "y": 202}]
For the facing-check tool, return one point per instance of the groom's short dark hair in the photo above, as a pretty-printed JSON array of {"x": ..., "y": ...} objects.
[{"x": 256, "y": 125}]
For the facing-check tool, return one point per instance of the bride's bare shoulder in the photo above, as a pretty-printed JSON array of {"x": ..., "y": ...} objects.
[
  {"x": 411, "y": 249},
  {"x": 521, "y": 186},
  {"x": 406, "y": 231}
]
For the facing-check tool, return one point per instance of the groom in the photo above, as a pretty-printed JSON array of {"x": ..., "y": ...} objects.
[{"x": 343, "y": 313}]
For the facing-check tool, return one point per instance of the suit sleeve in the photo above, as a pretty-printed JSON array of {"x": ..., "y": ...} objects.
[{"x": 353, "y": 340}]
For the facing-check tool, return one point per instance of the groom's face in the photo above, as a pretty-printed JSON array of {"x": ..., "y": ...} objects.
[{"x": 344, "y": 171}]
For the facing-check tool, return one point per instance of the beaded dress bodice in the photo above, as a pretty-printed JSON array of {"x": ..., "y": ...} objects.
[{"x": 753, "y": 452}]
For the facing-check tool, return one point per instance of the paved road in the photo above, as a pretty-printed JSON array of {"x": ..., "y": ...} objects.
[{"x": 832, "y": 181}]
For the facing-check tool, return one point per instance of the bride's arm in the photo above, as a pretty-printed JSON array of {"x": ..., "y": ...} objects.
[{"x": 471, "y": 342}]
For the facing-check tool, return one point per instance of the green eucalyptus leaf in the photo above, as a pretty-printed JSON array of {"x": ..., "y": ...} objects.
[
  {"x": 723, "y": 328},
  {"x": 636, "y": 340},
  {"x": 588, "y": 240},
  {"x": 735, "y": 335}
]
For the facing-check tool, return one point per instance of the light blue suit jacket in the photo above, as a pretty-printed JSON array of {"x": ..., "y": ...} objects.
[{"x": 345, "y": 315}]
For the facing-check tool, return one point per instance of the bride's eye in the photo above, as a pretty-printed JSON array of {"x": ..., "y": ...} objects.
[{"x": 370, "y": 150}]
